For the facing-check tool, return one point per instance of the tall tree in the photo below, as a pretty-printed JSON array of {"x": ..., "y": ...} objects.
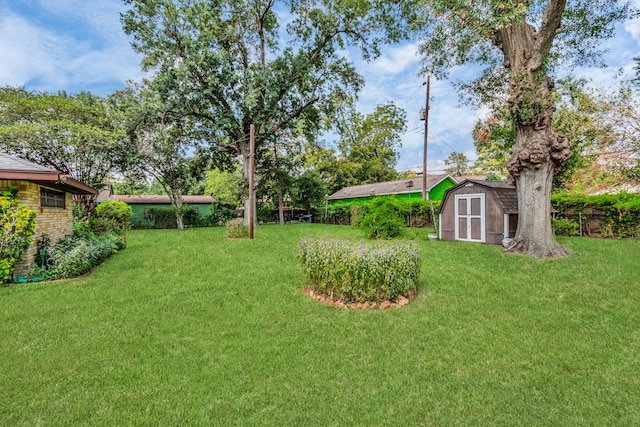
[
  {"x": 522, "y": 42},
  {"x": 166, "y": 147},
  {"x": 228, "y": 64},
  {"x": 457, "y": 164},
  {"x": 370, "y": 142},
  {"x": 82, "y": 135}
]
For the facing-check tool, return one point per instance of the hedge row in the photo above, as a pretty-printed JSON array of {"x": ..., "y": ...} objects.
[{"x": 619, "y": 214}]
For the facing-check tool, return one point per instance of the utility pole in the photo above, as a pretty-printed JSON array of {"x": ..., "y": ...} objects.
[
  {"x": 424, "y": 156},
  {"x": 252, "y": 172}
]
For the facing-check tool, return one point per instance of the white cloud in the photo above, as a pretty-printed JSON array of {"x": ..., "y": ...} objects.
[
  {"x": 397, "y": 60},
  {"x": 633, "y": 28},
  {"x": 69, "y": 45},
  {"x": 27, "y": 52}
]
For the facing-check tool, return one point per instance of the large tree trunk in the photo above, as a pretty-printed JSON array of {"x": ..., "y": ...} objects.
[
  {"x": 538, "y": 151},
  {"x": 537, "y": 155}
]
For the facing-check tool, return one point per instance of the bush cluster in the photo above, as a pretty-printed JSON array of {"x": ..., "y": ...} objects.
[
  {"x": 359, "y": 272},
  {"x": 384, "y": 218},
  {"x": 236, "y": 229},
  {"x": 417, "y": 213},
  {"x": 620, "y": 212},
  {"x": 565, "y": 227},
  {"x": 74, "y": 255},
  {"x": 113, "y": 217},
  {"x": 17, "y": 225}
]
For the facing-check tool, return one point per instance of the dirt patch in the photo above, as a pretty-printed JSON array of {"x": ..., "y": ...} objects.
[{"x": 379, "y": 305}]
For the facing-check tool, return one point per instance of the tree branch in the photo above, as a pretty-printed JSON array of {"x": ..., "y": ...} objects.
[{"x": 551, "y": 20}]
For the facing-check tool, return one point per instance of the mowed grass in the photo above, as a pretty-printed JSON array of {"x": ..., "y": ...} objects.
[{"x": 191, "y": 328}]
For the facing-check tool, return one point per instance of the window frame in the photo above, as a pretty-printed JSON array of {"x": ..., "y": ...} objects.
[{"x": 52, "y": 199}]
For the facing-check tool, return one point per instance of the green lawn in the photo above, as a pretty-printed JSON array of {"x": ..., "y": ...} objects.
[{"x": 189, "y": 328}]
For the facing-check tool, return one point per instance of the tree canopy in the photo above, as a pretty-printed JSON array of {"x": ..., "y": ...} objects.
[{"x": 82, "y": 135}]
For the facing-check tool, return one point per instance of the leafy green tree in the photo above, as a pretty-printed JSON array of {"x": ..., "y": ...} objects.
[
  {"x": 224, "y": 187},
  {"x": 309, "y": 191},
  {"x": 82, "y": 135},
  {"x": 230, "y": 64},
  {"x": 165, "y": 147},
  {"x": 370, "y": 142},
  {"x": 522, "y": 42},
  {"x": 457, "y": 164}
]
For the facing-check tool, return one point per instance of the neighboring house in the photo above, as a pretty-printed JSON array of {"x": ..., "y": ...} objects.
[
  {"x": 405, "y": 189},
  {"x": 479, "y": 211},
  {"x": 141, "y": 205},
  {"x": 45, "y": 191}
]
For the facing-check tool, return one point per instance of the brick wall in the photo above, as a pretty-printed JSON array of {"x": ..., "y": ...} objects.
[{"x": 54, "y": 222}]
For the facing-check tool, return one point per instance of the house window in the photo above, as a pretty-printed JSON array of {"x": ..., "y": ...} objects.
[{"x": 52, "y": 198}]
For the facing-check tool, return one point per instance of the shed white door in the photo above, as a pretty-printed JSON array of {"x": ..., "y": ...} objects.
[{"x": 470, "y": 217}]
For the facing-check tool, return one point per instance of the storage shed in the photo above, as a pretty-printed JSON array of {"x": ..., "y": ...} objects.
[{"x": 479, "y": 211}]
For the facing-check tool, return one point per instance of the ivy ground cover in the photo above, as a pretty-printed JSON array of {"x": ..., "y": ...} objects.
[{"x": 192, "y": 328}]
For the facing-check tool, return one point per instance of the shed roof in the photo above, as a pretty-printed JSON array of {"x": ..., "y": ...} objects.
[
  {"x": 14, "y": 168},
  {"x": 505, "y": 193},
  {"x": 403, "y": 186}
]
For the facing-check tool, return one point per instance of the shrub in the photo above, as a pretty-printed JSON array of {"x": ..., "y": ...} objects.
[
  {"x": 72, "y": 256},
  {"x": 621, "y": 212},
  {"x": 17, "y": 225},
  {"x": 236, "y": 229},
  {"x": 359, "y": 272},
  {"x": 565, "y": 227},
  {"x": 357, "y": 213},
  {"x": 385, "y": 218},
  {"x": 112, "y": 216},
  {"x": 220, "y": 214}
]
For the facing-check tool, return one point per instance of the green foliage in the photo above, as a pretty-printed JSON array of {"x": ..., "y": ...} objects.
[
  {"x": 621, "y": 211},
  {"x": 82, "y": 135},
  {"x": 357, "y": 213},
  {"x": 359, "y": 272},
  {"x": 236, "y": 229},
  {"x": 565, "y": 227},
  {"x": 17, "y": 225},
  {"x": 221, "y": 214},
  {"x": 309, "y": 191},
  {"x": 224, "y": 187},
  {"x": 457, "y": 164},
  {"x": 112, "y": 216},
  {"x": 166, "y": 217},
  {"x": 385, "y": 218},
  {"x": 74, "y": 255}
]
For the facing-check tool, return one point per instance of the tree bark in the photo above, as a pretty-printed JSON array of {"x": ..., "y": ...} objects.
[
  {"x": 538, "y": 151},
  {"x": 536, "y": 157},
  {"x": 281, "y": 208}
]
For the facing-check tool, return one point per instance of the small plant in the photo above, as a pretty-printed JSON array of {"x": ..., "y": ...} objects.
[
  {"x": 384, "y": 220},
  {"x": 236, "y": 229},
  {"x": 17, "y": 225},
  {"x": 72, "y": 256},
  {"x": 565, "y": 227},
  {"x": 359, "y": 272}
]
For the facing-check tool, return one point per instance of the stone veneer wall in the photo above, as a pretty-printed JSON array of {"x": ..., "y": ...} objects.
[{"x": 55, "y": 222}]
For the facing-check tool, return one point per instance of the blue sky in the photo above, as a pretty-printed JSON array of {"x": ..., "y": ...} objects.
[{"x": 79, "y": 45}]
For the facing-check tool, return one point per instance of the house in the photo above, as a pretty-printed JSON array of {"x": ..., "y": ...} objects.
[
  {"x": 405, "y": 189},
  {"x": 479, "y": 211},
  {"x": 46, "y": 191},
  {"x": 141, "y": 205}
]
